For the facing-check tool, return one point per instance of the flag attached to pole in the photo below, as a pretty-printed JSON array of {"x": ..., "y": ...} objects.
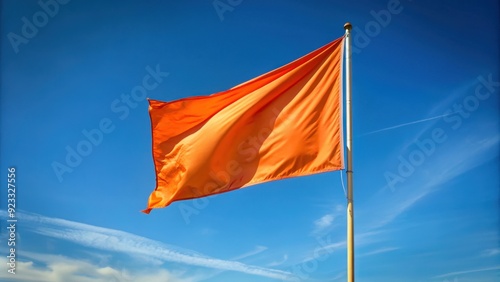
[{"x": 285, "y": 123}]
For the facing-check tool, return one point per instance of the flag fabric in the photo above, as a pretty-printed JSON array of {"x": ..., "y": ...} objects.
[{"x": 285, "y": 123}]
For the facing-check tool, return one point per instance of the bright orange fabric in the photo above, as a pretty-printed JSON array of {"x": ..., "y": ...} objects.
[{"x": 285, "y": 123}]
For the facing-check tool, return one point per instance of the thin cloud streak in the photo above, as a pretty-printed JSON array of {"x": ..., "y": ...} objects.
[
  {"x": 133, "y": 245},
  {"x": 361, "y": 239},
  {"x": 378, "y": 251},
  {"x": 280, "y": 262},
  {"x": 405, "y": 124},
  {"x": 442, "y": 106},
  {"x": 491, "y": 252},
  {"x": 257, "y": 250},
  {"x": 468, "y": 271},
  {"x": 326, "y": 222}
]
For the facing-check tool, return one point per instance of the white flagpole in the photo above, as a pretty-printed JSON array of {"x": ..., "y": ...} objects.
[{"x": 350, "y": 205}]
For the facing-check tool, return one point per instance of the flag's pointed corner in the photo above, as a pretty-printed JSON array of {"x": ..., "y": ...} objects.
[{"x": 147, "y": 211}]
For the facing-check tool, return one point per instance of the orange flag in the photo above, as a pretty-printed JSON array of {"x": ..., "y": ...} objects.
[{"x": 285, "y": 123}]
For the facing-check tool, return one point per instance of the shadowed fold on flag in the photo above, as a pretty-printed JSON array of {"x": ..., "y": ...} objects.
[{"x": 285, "y": 123}]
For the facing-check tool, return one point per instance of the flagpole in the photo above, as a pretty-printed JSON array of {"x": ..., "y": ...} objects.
[{"x": 350, "y": 205}]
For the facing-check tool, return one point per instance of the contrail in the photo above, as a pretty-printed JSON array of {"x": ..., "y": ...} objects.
[{"x": 405, "y": 124}]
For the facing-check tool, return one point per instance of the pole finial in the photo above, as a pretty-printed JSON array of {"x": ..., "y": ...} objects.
[{"x": 347, "y": 26}]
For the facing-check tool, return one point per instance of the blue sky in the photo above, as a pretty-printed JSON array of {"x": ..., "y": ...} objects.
[{"x": 426, "y": 139}]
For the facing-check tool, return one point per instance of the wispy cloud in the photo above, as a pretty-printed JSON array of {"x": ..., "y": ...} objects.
[
  {"x": 325, "y": 222},
  {"x": 118, "y": 241},
  {"x": 468, "y": 271},
  {"x": 332, "y": 247},
  {"x": 329, "y": 247},
  {"x": 390, "y": 212},
  {"x": 405, "y": 124},
  {"x": 491, "y": 252},
  {"x": 257, "y": 250},
  {"x": 339, "y": 277},
  {"x": 280, "y": 262},
  {"x": 378, "y": 251},
  {"x": 55, "y": 268}
]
